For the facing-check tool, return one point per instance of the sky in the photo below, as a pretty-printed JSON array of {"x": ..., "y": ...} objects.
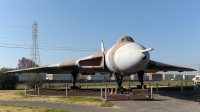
[{"x": 76, "y": 28}]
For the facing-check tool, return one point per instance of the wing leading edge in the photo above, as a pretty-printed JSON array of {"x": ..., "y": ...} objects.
[
  {"x": 91, "y": 64},
  {"x": 64, "y": 67},
  {"x": 154, "y": 66}
]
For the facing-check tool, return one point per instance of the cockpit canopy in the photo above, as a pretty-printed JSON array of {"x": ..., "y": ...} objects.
[{"x": 125, "y": 39}]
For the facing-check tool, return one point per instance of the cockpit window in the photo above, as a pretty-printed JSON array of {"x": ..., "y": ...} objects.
[{"x": 125, "y": 39}]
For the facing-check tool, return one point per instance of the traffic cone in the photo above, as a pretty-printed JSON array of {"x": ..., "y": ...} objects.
[
  {"x": 108, "y": 91},
  {"x": 112, "y": 91}
]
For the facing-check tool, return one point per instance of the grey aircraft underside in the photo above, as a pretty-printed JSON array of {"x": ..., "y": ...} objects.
[{"x": 123, "y": 59}]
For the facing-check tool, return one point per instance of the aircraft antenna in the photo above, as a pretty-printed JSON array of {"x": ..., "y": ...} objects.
[{"x": 35, "y": 56}]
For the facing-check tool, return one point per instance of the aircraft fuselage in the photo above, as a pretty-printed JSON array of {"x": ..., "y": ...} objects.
[{"x": 127, "y": 58}]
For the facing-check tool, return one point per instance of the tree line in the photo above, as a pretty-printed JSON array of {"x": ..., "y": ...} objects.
[{"x": 9, "y": 81}]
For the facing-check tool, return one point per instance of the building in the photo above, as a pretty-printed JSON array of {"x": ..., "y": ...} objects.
[
  {"x": 155, "y": 76},
  {"x": 134, "y": 77},
  {"x": 167, "y": 76},
  {"x": 188, "y": 77},
  {"x": 178, "y": 77},
  {"x": 23, "y": 76}
]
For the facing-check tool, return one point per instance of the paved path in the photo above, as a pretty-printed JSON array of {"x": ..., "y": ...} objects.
[{"x": 164, "y": 101}]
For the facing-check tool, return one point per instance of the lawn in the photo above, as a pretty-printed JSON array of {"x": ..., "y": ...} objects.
[
  {"x": 13, "y": 95},
  {"x": 194, "y": 96},
  {"x": 15, "y": 108}
]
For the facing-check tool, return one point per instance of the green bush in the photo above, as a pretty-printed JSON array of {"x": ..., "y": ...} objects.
[
  {"x": 8, "y": 81},
  {"x": 34, "y": 79}
]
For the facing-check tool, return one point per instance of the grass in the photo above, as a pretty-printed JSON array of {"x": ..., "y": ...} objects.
[
  {"x": 107, "y": 104},
  {"x": 11, "y": 95},
  {"x": 194, "y": 96},
  {"x": 15, "y": 108},
  {"x": 81, "y": 99}
]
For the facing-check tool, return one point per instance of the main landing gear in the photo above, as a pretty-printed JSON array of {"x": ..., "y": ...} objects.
[
  {"x": 119, "y": 78},
  {"x": 75, "y": 76},
  {"x": 140, "y": 75}
]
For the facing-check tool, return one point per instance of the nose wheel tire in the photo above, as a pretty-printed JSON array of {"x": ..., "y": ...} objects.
[{"x": 120, "y": 90}]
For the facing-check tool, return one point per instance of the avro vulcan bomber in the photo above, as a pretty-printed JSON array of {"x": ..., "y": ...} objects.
[{"x": 123, "y": 59}]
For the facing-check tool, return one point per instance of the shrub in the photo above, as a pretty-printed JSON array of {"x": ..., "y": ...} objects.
[
  {"x": 34, "y": 79},
  {"x": 8, "y": 81}
]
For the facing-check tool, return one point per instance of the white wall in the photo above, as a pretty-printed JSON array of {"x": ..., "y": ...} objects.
[{"x": 23, "y": 76}]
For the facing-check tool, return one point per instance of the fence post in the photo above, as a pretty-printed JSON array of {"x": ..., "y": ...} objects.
[
  {"x": 128, "y": 93},
  {"x": 66, "y": 89},
  {"x": 106, "y": 94},
  {"x": 186, "y": 83},
  {"x": 168, "y": 84},
  {"x": 25, "y": 90},
  {"x": 195, "y": 86},
  {"x": 156, "y": 87},
  {"x": 181, "y": 86},
  {"x": 86, "y": 86},
  {"x": 49, "y": 84},
  {"x": 35, "y": 87},
  {"x": 38, "y": 91},
  {"x": 151, "y": 93},
  {"x": 115, "y": 90},
  {"x": 149, "y": 85},
  {"x": 101, "y": 92}
]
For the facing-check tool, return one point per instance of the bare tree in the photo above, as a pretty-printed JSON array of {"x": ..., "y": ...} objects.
[{"x": 26, "y": 63}]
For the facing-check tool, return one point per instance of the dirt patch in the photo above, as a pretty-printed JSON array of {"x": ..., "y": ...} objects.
[{"x": 86, "y": 93}]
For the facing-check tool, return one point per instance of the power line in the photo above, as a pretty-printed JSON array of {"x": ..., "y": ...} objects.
[
  {"x": 74, "y": 39},
  {"x": 49, "y": 49},
  {"x": 43, "y": 47},
  {"x": 75, "y": 42},
  {"x": 62, "y": 41},
  {"x": 56, "y": 39},
  {"x": 14, "y": 26}
]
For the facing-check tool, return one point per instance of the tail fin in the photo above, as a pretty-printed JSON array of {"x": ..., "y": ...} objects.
[{"x": 102, "y": 46}]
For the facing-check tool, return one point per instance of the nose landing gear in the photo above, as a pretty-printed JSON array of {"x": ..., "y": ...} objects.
[{"x": 119, "y": 78}]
